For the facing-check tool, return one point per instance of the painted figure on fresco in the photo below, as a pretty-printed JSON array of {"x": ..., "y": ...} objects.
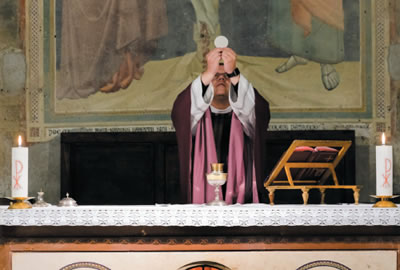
[
  {"x": 307, "y": 30},
  {"x": 221, "y": 118},
  {"x": 105, "y": 44},
  {"x": 171, "y": 39},
  {"x": 313, "y": 30}
]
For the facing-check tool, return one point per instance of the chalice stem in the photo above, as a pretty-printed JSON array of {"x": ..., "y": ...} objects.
[{"x": 217, "y": 193}]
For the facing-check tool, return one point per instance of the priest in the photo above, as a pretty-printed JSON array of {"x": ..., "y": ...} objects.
[{"x": 221, "y": 118}]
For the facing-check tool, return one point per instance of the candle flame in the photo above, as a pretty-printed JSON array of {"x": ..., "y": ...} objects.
[
  {"x": 19, "y": 140},
  {"x": 383, "y": 138}
]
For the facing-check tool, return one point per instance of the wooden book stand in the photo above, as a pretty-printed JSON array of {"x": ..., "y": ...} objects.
[{"x": 307, "y": 164}]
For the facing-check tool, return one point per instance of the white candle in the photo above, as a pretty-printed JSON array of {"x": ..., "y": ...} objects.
[
  {"x": 19, "y": 171},
  {"x": 384, "y": 169}
]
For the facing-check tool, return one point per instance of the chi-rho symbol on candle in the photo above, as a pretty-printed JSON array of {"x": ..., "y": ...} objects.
[
  {"x": 384, "y": 169},
  {"x": 19, "y": 171}
]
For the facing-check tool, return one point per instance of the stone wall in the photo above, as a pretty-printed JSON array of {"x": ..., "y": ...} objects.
[
  {"x": 12, "y": 118},
  {"x": 12, "y": 94}
]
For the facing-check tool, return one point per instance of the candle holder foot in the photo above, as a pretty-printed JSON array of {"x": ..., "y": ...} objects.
[
  {"x": 20, "y": 203},
  {"x": 384, "y": 202}
]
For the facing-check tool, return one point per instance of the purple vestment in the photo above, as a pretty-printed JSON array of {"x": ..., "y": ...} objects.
[{"x": 235, "y": 188}]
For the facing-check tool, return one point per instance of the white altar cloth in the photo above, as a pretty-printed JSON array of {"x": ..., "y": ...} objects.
[{"x": 203, "y": 215}]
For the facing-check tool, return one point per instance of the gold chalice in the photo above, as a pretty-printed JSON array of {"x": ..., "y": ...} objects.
[{"x": 217, "y": 178}]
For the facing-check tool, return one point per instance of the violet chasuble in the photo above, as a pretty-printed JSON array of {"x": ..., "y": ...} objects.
[{"x": 197, "y": 190}]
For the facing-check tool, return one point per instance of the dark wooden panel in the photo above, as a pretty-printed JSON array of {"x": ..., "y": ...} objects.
[
  {"x": 143, "y": 168},
  {"x": 171, "y": 173},
  {"x": 110, "y": 173},
  {"x": 117, "y": 168}
]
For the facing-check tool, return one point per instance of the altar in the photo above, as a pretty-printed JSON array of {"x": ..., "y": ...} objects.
[
  {"x": 346, "y": 234},
  {"x": 181, "y": 215}
]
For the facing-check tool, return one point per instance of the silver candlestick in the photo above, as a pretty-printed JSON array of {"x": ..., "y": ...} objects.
[{"x": 40, "y": 202}]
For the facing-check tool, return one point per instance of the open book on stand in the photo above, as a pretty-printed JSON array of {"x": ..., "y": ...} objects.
[
  {"x": 308, "y": 164},
  {"x": 309, "y": 154}
]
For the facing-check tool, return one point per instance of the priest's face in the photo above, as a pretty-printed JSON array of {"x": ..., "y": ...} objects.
[{"x": 221, "y": 83}]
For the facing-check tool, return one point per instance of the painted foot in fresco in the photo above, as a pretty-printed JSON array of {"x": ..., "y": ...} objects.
[
  {"x": 330, "y": 77},
  {"x": 291, "y": 63},
  {"x": 129, "y": 70},
  {"x": 111, "y": 86},
  {"x": 125, "y": 76}
]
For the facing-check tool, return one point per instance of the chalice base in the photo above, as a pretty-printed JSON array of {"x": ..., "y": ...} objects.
[
  {"x": 19, "y": 203},
  {"x": 217, "y": 203}
]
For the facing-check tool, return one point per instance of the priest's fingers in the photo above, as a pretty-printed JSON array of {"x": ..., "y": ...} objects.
[
  {"x": 213, "y": 58},
  {"x": 214, "y": 54},
  {"x": 229, "y": 51},
  {"x": 229, "y": 54},
  {"x": 229, "y": 57}
]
